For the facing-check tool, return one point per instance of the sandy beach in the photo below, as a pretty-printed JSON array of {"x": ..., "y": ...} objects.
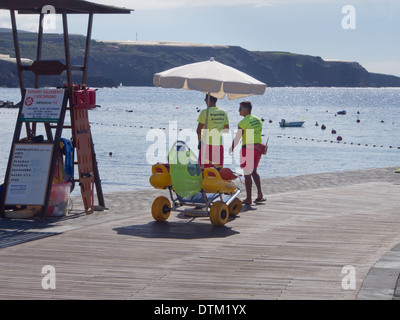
[
  {"x": 137, "y": 202},
  {"x": 294, "y": 246}
]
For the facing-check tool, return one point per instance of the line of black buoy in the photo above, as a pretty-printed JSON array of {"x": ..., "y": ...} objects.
[
  {"x": 339, "y": 140},
  {"x": 129, "y": 126}
]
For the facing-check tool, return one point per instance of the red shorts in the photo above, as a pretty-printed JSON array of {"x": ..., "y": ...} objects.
[
  {"x": 212, "y": 155},
  {"x": 249, "y": 159}
]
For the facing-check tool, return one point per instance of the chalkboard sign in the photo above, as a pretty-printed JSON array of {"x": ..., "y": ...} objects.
[{"x": 30, "y": 165}]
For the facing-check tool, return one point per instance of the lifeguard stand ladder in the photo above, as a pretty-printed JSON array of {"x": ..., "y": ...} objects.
[{"x": 80, "y": 100}]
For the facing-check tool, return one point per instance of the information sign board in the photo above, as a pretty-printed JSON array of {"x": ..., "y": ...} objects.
[
  {"x": 42, "y": 105},
  {"x": 27, "y": 183}
]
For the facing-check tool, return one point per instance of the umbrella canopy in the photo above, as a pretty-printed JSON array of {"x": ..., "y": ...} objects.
[{"x": 210, "y": 77}]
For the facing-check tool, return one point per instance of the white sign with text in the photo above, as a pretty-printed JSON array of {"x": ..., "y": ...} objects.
[
  {"x": 29, "y": 173},
  {"x": 42, "y": 105}
]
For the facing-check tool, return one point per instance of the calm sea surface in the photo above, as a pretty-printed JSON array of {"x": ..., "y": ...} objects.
[{"x": 139, "y": 124}]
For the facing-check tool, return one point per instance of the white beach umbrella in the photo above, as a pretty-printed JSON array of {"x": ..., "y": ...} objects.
[{"x": 210, "y": 77}]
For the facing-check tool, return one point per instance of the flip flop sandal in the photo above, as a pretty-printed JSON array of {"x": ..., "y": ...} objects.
[{"x": 260, "y": 200}]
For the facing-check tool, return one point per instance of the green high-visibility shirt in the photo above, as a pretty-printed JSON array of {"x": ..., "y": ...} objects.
[
  {"x": 217, "y": 119},
  {"x": 252, "y": 127}
]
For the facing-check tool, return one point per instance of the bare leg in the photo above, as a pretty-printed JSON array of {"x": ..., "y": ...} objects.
[
  {"x": 257, "y": 181},
  {"x": 248, "y": 183}
]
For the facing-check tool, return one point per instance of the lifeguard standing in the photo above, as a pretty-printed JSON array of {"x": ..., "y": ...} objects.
[
  {"x": 249, "y": 130},
  {"x": 211, "y": 149}
]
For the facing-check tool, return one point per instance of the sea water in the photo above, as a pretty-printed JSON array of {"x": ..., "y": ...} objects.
[{"x": 134, "y": 127}]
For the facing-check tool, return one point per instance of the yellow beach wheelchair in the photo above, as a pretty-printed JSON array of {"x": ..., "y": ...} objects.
[{"x": 210, "y": 191}]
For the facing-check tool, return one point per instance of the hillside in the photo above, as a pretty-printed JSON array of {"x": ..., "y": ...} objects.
[{"x": 134, "y": 64}]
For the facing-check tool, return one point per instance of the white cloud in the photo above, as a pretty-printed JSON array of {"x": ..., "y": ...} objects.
[
  {"x": 29, "y": 23},
  {"x": 24, "y": 22},
  {"x": 4, "y": 19}
]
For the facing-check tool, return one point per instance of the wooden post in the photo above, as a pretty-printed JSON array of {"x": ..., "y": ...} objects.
[
  {"x": 87, "y": 49},
  {"x": 39, "y": 47},
  {"x": 17, "y": 52}
]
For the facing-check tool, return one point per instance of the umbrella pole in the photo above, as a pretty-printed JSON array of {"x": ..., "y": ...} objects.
[{"x": 205, "y": 136}]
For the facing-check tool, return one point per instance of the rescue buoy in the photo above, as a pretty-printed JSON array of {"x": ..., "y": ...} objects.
[
  {"x": 68, "y": 150},
  {"x": 227, "y": 174}
]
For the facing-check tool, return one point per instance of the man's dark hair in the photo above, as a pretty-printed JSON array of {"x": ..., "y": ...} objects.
[
  {"x": 247, "y": 105},
  {"x": 212, "y": 99}
]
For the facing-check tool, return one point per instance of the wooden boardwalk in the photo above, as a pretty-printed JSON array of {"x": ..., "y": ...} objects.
[{"x": 292, "y": 247}]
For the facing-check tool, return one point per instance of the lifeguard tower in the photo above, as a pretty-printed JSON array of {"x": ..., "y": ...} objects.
[{"x": 33, "y": 159}]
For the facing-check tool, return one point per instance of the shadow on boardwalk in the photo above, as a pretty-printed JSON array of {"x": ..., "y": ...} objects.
[{"x": 176, "y": 230}]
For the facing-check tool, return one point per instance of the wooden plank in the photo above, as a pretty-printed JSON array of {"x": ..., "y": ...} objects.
[{"x": 288, "y": 248}]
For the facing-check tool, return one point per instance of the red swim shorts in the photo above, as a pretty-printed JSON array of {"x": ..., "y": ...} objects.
[
  {"x": 249, "y": 159},
  {"x": 212, "y": 155}
]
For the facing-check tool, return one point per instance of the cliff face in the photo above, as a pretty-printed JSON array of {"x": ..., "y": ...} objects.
[
  {"x": 134, "y": 65},
  {"x": 273, "y": 68}
]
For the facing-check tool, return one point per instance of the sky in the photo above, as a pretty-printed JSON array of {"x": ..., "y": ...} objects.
[{"x": 366, "y": 31}]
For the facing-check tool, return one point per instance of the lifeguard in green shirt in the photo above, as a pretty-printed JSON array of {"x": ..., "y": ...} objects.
[
  {"x": 252, "y": 127},
  {"x": 249, "y": 130},
  {"x": 212, "y": 152}
]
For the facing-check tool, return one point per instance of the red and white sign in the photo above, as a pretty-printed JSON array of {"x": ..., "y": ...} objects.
[
  {"x": 28, "y": 101},
  {"x": 42, "y": 105}
]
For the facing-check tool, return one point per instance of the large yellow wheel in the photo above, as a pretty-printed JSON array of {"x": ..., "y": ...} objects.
[
  {"x": 219, "y": 213},
  {"x": 161, "y": 209},
  {"x": 235, "y": 207}
]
